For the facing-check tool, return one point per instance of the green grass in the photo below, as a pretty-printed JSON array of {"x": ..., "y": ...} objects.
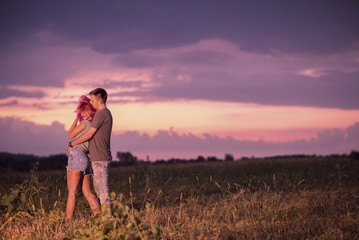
[{"x": 253, "y": 199}]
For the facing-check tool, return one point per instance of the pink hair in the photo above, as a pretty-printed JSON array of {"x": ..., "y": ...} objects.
[{"x": 84, "y": 102}]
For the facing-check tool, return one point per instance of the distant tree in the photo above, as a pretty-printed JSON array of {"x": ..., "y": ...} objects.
[
  {"x": 354, "y": 155},
  {"x": 26, "y": 162},
  {"x": 53, "y": 162},
  {"x": 176, "y": 160},
  {"x": 200, "y": 159},
  {"x": 126, "y": 158},
  {"x": 212, "y": 159},
  {"x": 161, "y": 161},
  {"x": 228, "y": 157}
]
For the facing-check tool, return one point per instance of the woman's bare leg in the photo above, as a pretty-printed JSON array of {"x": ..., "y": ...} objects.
[
  {"x": 86, "y": 189},
  {"x": 73, "y": 179}
]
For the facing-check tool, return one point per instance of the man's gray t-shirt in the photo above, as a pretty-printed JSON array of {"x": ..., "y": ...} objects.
[{"x": 100, "y": 143}]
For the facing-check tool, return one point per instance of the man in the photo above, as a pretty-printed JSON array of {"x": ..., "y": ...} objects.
[{"x": 99, "y": 135}]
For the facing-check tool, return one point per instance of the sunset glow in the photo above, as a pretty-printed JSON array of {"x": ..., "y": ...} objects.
[
  {"x": 225, "y": 83},
  {"x": 236, "y": 120}
]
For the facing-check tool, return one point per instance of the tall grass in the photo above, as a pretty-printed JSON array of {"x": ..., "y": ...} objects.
[{"x": 253, "y": 199}]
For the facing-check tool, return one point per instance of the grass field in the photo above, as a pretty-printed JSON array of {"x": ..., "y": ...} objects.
[{"x": 284, "y": 198}]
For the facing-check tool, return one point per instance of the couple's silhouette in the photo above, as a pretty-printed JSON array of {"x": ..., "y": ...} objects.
[{"x": 89, "y": 152}]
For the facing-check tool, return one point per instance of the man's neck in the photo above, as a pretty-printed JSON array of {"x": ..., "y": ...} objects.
[{"x": 102, "y": 106}]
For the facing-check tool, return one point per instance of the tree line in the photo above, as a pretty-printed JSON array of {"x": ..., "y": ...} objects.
[{"x": 26, "y": 162}]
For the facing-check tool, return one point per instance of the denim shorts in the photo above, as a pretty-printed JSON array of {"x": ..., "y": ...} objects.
[{"x": 78, "y": 160}]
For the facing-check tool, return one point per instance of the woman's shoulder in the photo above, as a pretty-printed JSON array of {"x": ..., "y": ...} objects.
[{"x": 86, "y": 122}]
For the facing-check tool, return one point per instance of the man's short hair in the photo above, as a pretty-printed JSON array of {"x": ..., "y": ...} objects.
[{"x": 100, "y": 92}]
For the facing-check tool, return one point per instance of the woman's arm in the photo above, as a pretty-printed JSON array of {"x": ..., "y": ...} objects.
[
  {"x": 75, "y": 129},
  {"x": 84, "y": 137}
]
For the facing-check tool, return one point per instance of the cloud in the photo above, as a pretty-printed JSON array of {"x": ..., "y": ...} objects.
[
  {"x": 217, "y": 70},
  {"x": 11, "y": 103},
  {"x": 143, "y": 60},
  {"x": 331, "y": 141},
  {"x": 123, "y": 84},
  {"x": 328, "y": 26},
  {"x": 337, "y": 90},
  {"x": 212, "y": 69},
  {"x": 277, "y": 57},
  {"x": 46, "y": 59},
  {"x": 20, "y": 136},
  {"x": 135, "y": 60},
  {"x": 6, "y": 93},
  {"x": 203, "y": 57}
]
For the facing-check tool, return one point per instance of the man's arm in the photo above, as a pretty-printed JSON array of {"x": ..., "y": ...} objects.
[
  {"x": 84, "y": 137},
  {"x": 74, "y": 130}
]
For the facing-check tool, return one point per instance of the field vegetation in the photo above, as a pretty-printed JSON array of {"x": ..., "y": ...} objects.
[{"x": 277, "y": 198}]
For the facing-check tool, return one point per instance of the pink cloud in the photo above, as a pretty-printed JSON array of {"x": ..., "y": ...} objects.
[
  {"x": 20, "y": 136},
  {"x": 172, "y": 144}
]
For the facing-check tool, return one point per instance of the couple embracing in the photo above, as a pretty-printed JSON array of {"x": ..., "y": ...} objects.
[{"x": 90, "y": 134}]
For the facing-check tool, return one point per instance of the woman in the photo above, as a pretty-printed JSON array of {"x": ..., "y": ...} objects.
[{"x": 78, "y": 167}]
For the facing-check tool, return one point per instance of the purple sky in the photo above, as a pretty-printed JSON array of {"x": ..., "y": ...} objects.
[{"x": 291, "y": 55}]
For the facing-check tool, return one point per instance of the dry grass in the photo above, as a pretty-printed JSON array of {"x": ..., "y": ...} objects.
[{"x": 258, "y": 199}]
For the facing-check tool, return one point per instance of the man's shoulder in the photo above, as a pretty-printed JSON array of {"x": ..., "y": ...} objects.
[
  {"x": 106, "y": 112},
  {"x": 103, "y": 112}
]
